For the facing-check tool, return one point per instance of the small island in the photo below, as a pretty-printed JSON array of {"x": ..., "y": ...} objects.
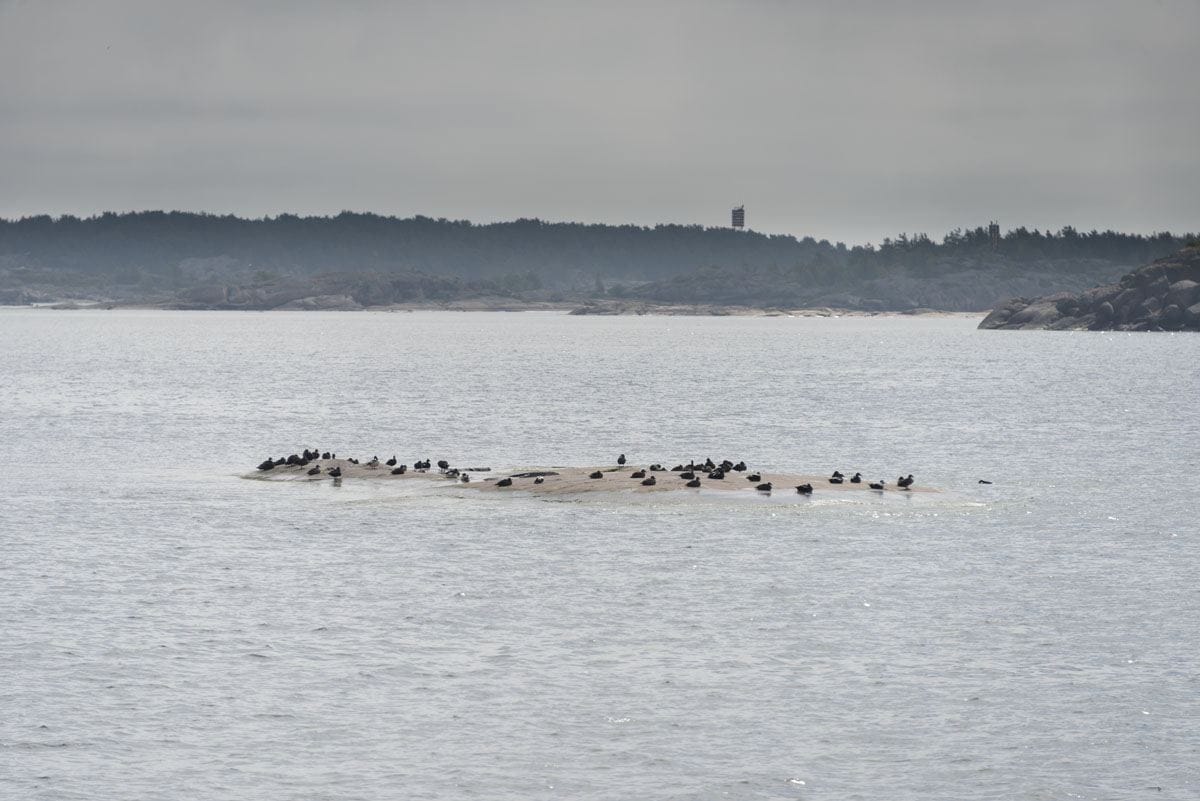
[{"x": 693, "y": 476}]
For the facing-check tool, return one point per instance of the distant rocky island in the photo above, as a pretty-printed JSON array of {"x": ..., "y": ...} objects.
[
  {"x": 1161, "y": 296},
  {"x": 182, "y": 260}
]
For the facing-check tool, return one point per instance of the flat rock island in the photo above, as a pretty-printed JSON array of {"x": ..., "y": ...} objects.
[{"x": 623, "y": 476}]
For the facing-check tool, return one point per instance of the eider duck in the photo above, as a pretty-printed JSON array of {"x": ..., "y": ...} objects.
[
  {"x": 391, "y": 462},
  {"x": 649, "y": 482},
  {"x": 399, "y": 471},
  {"x": 905, "y": 483},
  {"x": 638, "y": 474},
  {"x": 539, "y": 480},
  {"x": 267, "y": 465},
  {"x": 596, "y": 474},
  {"x": 315, "y": 471},
  {"x": 876, "y": 485},
  {"x": 836, "y": 480},
  {"x": 695, "y": 482},
  {"x": 754, "y": 477},
  {"x": 856, "y": 479},
  {"x": 504, "y": 482},
  {"x": 804, "y": 489},
  {"x": 689, "y": 475},
  {"x": 335, "y": 472},
  {"x": 764, "y": 487}
]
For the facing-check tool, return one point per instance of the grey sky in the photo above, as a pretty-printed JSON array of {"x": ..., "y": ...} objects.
[{"x": 840, "y": 120}]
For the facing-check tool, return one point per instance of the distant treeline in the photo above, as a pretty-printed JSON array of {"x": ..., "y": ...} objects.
[{"x": 155, "y": 247}]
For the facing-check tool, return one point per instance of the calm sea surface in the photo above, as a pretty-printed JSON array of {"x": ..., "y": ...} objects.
[{"x": 172, "y": 631}]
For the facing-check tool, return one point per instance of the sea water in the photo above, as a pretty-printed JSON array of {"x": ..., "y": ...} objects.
[{"x": 174, "y": 631}]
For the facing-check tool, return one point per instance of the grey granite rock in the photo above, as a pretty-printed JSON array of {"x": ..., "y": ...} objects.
[{"x": 1162, "y": 296}]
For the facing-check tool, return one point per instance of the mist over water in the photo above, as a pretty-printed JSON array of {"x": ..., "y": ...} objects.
[{"x": 173, "y": 631}]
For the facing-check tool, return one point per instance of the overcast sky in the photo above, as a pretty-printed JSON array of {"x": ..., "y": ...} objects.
[{"x": 841, "y": 120}]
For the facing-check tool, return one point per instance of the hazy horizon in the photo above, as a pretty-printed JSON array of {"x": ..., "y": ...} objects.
[{"x": 847, "y": 122}]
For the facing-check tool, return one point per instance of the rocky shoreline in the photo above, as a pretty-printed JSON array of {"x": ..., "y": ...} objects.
[
  {"x": 1162, "y": 296},
  {"x": 583, "y": 308}
]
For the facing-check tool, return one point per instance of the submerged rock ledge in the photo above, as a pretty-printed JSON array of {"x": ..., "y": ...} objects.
[{"x": 1162, "y": 296}]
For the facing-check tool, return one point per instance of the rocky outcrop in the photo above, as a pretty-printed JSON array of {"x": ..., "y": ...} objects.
[
  {"x": 322, "y": 303},
  {"x": 948, "y": 286},
  {"x": 331, "y": 291},
  {"x": 1162, "y": 296},
  {"x": 21, "y": 297}
]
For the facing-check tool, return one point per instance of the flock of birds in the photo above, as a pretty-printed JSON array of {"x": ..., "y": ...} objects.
[
  {"x": 690, "y": 473},
  {"x": 309, "y": 456},
  {"x": 717, "y": 471}
]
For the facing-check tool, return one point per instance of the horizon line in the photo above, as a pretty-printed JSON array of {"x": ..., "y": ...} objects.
[{"x": 1154, "y": 233}]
